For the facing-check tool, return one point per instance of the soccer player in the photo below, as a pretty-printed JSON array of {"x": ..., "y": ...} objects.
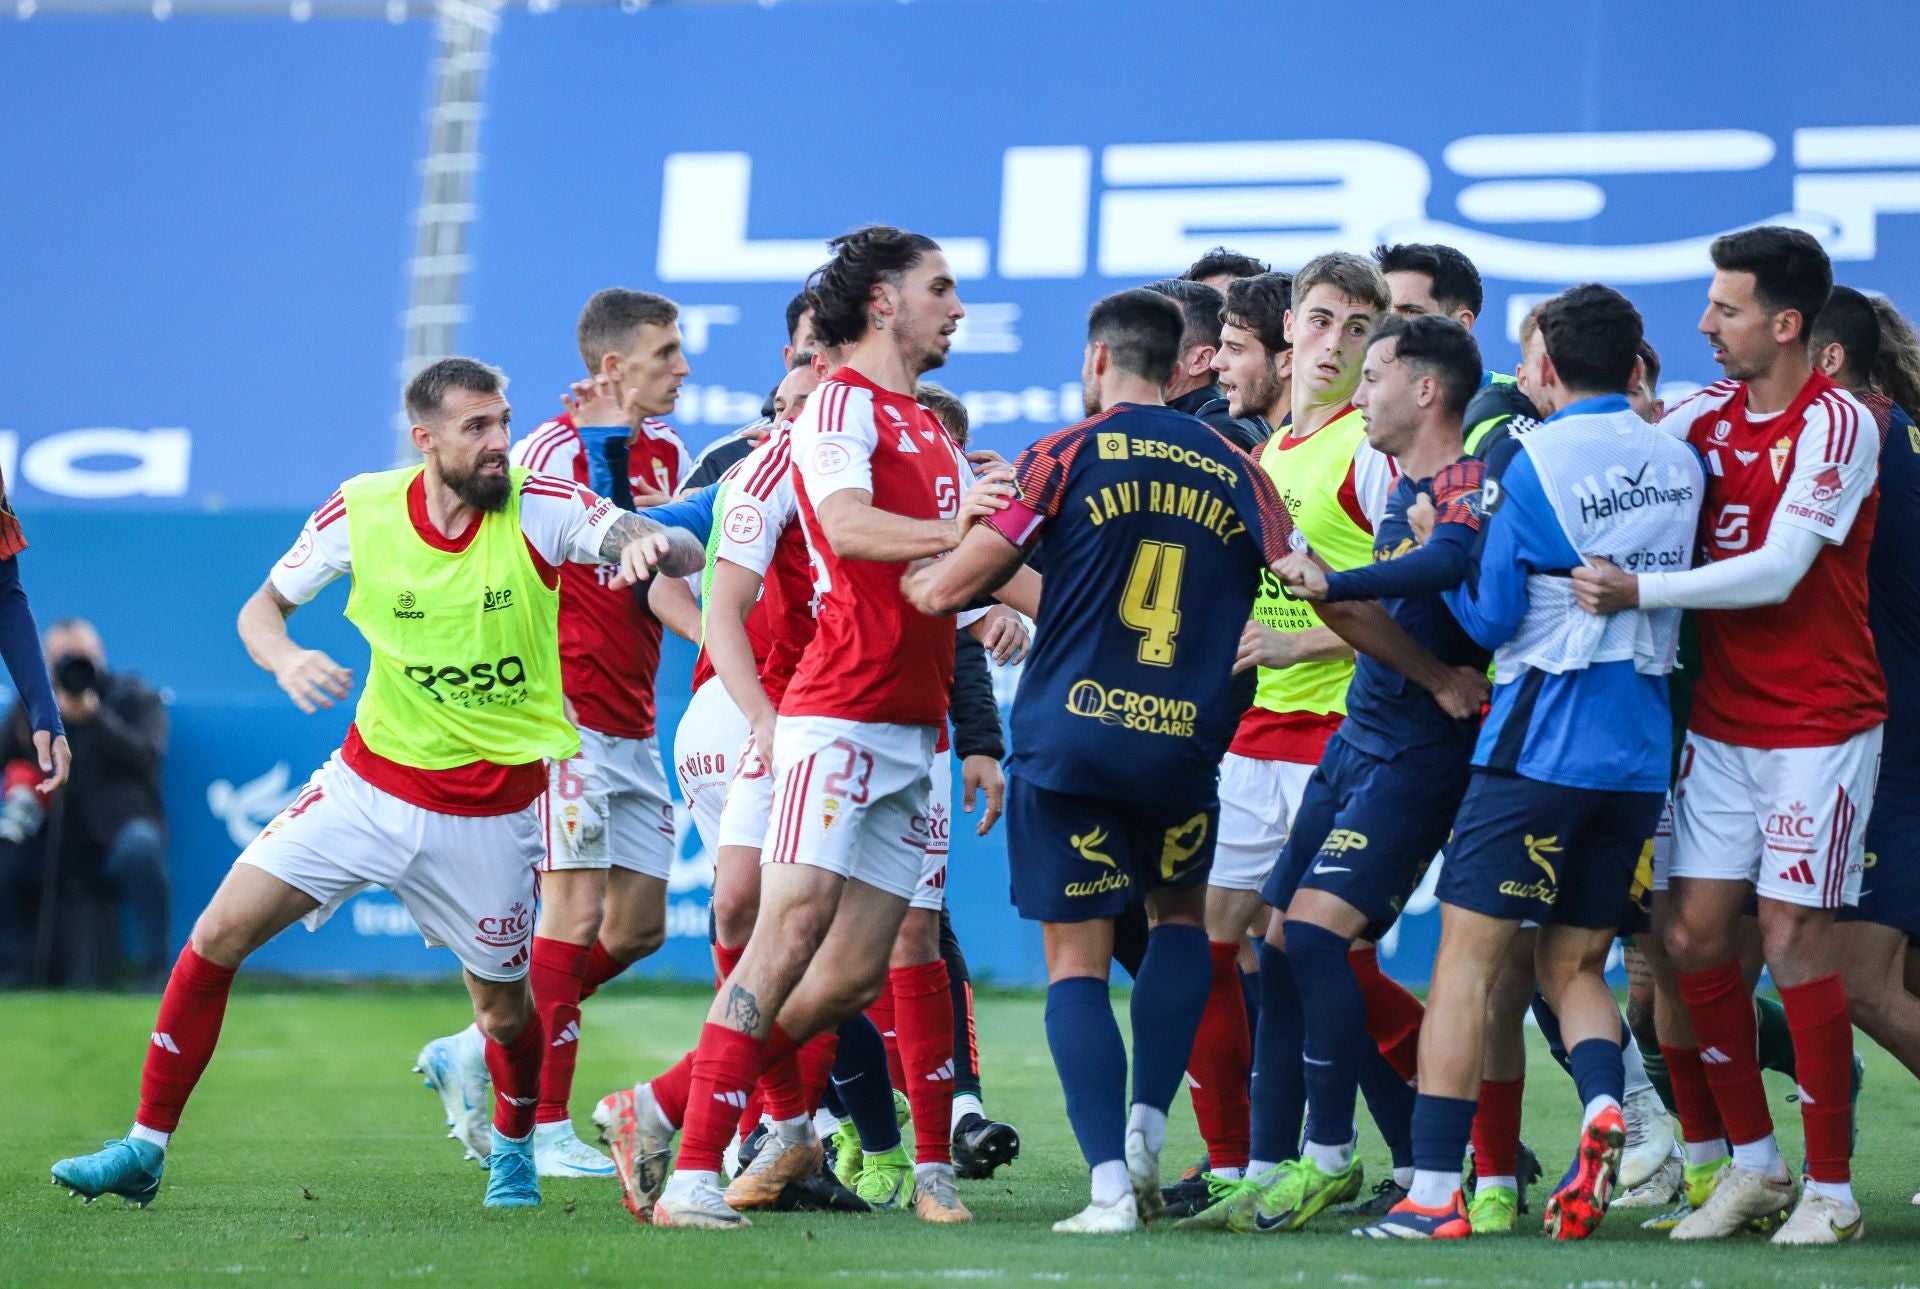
[
  {"x": 1571, "y": 765},
  {"x": 1777, "y": 773},
  {"x": 1157, "y": 532},
  {"x": 437, "y": 792},
  {"x": 1383, "y": 799},
  {"x": 26, "y": 665},
  {"x": 603, "y": 888},
  {"x": 881, "y": 483},
  {"x": 1253, "y": 359},
  {"x": 1194, "y": 387}
]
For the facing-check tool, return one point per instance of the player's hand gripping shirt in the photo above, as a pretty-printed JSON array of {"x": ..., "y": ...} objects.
[
  {"x": 1802, "y": 673},
  {"x": 874, "y": 657},
  {"x": 1156, "y": 532},
  {"x": 609, "y": 642},
  {"x": 461, "y": 702}
]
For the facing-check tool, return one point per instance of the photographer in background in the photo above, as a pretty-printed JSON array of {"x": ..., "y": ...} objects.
[{"x": 108, "y": 828}]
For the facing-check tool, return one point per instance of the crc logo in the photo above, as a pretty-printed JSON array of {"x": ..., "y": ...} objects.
[
  {"x": 1791, "y": 824},
  {"x": 505, "y": 932},
  {"x": 403, "y": 607},
  {"x": 493, "y": 600},
  {"x": 475, "y": 677}
]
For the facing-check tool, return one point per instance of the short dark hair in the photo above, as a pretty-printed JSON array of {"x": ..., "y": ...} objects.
[
  {"x": 1201, "y": 306},
  {"x": 840, "y": 291},
  {"x": 795, "y": 307},
  {"x": 1593, "y": 335},
  {"x": 1438, "y": 347},
  {"x": 1221, "y": 260},
  {"x": 946, "y": 405},
  {"x": 1848, "y": 319},
  {"x": 1456, "y": 282},
  {"x": 1259, "y": 304},
  {"x": 1141, "y": 329},
  {"x": 613, "y": 317},
  {"x": 1650, "y": 359},
  {"x": 426, "y": 393},
  {"x": 1354, "y": 276},
  {"x": 1790, "y": 269}
]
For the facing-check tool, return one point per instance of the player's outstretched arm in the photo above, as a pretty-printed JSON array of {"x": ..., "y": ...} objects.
[
  {"x": 671, "y": 600},
  {"x": 642, "y": 547},
  {"x": 309, "y": 677},
  {"x": 982, "y": 563},
  {"x": 1460, "y": 691}
]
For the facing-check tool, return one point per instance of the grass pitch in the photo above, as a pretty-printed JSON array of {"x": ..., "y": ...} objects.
[{"x": 311, "y": 1155}]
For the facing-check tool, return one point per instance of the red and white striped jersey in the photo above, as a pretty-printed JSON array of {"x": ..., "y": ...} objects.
[
  {"x": 609, "y": 642},
  {"x": 1802, "y": 673}
]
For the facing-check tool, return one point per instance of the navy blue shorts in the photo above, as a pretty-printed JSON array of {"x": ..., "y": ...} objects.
[
  {"x": 1890, "y": 888},
  {"x": 1524, "y": 850},
  {"x": 1075, "y": 859},
  {"x": 1368, "y": 827}
]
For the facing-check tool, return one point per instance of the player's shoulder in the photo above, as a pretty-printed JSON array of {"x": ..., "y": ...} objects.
[
  {"x": 551, "y": 487},
  {"x": 1843, "y": 421},
  {"x": 550, "y": 448},
  {"x": 762, "y": 471},
  {"x": 662, "y": 432},
  {"x": 1462, "y": 476},
  {"x": 1705, "y": 402},
  {"x": 330, "y": 511}
]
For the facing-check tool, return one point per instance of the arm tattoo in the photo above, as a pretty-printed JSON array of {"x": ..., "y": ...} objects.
[
  {"x": 685, "y": 554},
  {"x": 742, "y": 1011},
  {"x": 280, "y": 601}
]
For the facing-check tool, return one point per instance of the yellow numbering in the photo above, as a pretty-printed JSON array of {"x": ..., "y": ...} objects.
[{"x": 1150, "y": 604}]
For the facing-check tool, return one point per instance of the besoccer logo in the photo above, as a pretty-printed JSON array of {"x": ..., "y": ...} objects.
[{"x": 1113, "y": 446}]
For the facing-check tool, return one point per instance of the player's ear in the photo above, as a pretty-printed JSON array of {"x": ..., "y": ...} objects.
[
  {"x": 1286, "y": 325},
  {"x": 422, "y": 436}
]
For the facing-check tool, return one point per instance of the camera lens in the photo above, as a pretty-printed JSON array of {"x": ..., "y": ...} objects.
[{"x": 75, "y": 674}]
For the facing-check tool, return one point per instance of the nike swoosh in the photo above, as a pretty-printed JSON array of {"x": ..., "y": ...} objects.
[
  {"x": 1323, "y": 868},
  {"x": 1310, "y": 1061},
  {"x": 1265, "y": 1223}
]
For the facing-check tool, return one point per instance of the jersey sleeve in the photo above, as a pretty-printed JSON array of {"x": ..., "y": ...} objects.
[
  {"x": 13, "y": 539},
  {"x": 318, "y": 556},
  {"x": 1040, "y": 485},
  {"x": 1521, "y": 536},
  {"x": 834, "y": 441},
  {"x": 1457, "y": 495},
  {"x": 760, "y": 505},
  {"x": 1369, "y": 483},
  {"x": 563, "y": 521},
  {"x": 1268, "y": 519},
  {"x": 553, "y": 449},
  {"x": 1834, "y": 468}
]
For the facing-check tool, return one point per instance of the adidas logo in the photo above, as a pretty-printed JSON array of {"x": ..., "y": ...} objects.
[
  {"x": 1714, "y": 1056},
  {"x": 571, "y": 1034},
  {"x": 166, "y": 1043},
  {"x": 941, "y": 1075},
  {"x": 906, "y": 443},
  {"x": 1800, "y": 873},
  {"x": 518, "y": 1100},
  {"x": 517, "y": 960},
  {"x": 738, "y": 1100},
  {"x": 1186, "y": 1076}
]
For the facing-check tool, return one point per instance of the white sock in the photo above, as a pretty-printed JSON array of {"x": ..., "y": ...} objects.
[
  {"x": 1110, "y": 1184},
  {"x": 1705, "y": 1152},
  {"x": 964, "y": 1104},
  {"x": 1330, "y": 1159},
  {"x": 1594, "y": 1107},
  {"x": 1260, "y": 1167},
  {"x": 1228, "y": 1174},
  {"x": 682, "y": 1181},
  {"x": 1762, "y": 1156},
  {"x": 515, "y": 1141},
  {"x": 140, "y": 1132},
  {"x": 1149, "y": 1123},
  {"x": 824, "y": 1122},
  {"x": 923, "y": 1171},
  {"x": 1486, "y": 1183},
  {"x": 558, "y": 1125},
  {"x": 796, "y": 1131},
  {"x": 1433, "y": 1190},
  {"x": 1636, "y": 1068},
  {"x": 1403, "y": 1177},
  {"x": 1842, "y": 1191}
]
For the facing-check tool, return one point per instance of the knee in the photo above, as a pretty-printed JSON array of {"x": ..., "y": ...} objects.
[
  {"x": 503, "y": 1014},
  {"x": 576, "y": 924},
  {"x": 1692, "y": 947},
  {"x": 734, "y": 911},
  {"x": 629, "y": 944},
  {"x": 1789, "y": 934},
  {"x": 221, "y": 939},
  {"x": 918, "y": 941}
]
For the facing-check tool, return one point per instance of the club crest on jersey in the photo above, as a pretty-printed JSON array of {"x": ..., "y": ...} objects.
[
  {"x": 1777, "y": 456},
  {"x": 1827, "y": 484},
  {"x": 829, "y": 807}
]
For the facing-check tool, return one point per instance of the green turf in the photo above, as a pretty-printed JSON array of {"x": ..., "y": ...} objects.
[{"x": 311, "y": 1154}]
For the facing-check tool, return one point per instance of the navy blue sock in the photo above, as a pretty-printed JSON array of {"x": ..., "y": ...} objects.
[
  {"x": 860, "y": 1078},
  {"x": 1549, "y": 1023},
  {"x": 1250, "y": 990},
  {"x": 1168, "y": 997},
  {"x": 1092, "y": 1061},
  {"x": 1441, "y": 1129},
  {"x": 1390, "y": 1102},
  {"x": 1279, "y": 1083},
  {"x": 1335, "y": 1013},
  {"x": 1597, "y": 1071}
]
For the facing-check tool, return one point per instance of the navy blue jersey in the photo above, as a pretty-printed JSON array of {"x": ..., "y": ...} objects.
[
  {"x": 1155, "y": 531},
  {"x": 1386, "y": 712},
  {"x": 1893, "y": 583}
]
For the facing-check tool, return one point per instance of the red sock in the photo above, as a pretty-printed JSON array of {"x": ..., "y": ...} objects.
[
  {"x": 1692, "y": 1097},
  {"x": 923, "y": 1012},
  {"x": 724, "y": 1066},
  {"x": 816, "y": 1067},
  {"x": 881, "y": 1013},
  {"x": 515, "y": 1070},
  {"x": 1721, "y": 1007},
  {"x": 599, "y": 969},
  {"x": 750, "y": 1117},
  {"x": 724, "y": 961},
  {"x": 1823, "y": 1067},
  {"x": 671, "y": 1089},
  {"x": 184, "y": 1035},
  {"x": 1393, "y": 1014},
  {"x": 555, "y": 977},
  {"x": 780, "y": 1076},
  {"x": 1496, "y": 1128},
  {"x": 1222, "y": 1062}
]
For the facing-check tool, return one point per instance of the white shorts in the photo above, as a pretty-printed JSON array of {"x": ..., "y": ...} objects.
[
  {"x": 467, "y": 880},
  {"x": 851, "y": 797},
  {"x": 749, "y": 800},
  {"x": 1663, "y": 846},
  {"x": 1791, "y": 820},
  {"x": 706, "y": 754},
  {"x": 932, "y": 891},
  {"x": 608, "y": 808},
  {"x": 1257, "y": 801}
]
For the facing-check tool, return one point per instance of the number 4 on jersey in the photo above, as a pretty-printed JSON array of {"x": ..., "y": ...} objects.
[{"x": 1150, "y": 604}]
